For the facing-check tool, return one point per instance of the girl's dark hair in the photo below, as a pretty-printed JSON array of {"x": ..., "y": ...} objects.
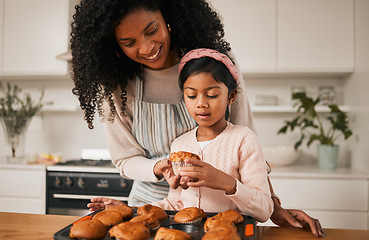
[
  {"x": 97, "y": 70},
  {"x": 217, "y": 70}
]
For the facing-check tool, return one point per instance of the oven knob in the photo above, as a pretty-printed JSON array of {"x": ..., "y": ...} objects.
[
  {"x": 57, "y": 182},
  {"x": 123, "y": 184},
  {"x": 68, "y": 181},
  {"x": 81, "y": 183}
]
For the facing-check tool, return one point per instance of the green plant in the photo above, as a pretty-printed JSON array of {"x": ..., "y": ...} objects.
[
  {"x": 16, "y": 112},
  {"x": 12, "y": 104},
  {"x": 311, "y": 124}
]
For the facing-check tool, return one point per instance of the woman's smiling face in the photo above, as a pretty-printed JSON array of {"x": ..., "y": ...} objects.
[{"x": 144, "y": 37}]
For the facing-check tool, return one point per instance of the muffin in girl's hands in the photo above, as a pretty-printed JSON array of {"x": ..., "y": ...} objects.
[{"x": 177, "y": 159}]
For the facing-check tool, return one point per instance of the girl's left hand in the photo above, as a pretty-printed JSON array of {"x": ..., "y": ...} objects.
[{"x": 207, "y": 176}]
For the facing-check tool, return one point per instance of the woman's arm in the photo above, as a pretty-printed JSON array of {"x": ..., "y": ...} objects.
[{"x": 126, "y": 153}]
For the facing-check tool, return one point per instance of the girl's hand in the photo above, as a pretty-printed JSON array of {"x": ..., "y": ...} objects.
[
  {"x": 100, "y": 203},
  {"x": 163, "y": 168},
  {"x": 206, "y": 175}
]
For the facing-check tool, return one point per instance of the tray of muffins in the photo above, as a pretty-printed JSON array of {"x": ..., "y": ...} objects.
[{"x": 152, "y": 222}]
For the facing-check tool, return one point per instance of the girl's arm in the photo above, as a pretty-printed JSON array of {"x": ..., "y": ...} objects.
[{"x": 172, "y": 202}]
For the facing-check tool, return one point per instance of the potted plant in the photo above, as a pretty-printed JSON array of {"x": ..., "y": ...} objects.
[
  {"x": 16, "y": 112},
  {"x": 313, "y": 128}
]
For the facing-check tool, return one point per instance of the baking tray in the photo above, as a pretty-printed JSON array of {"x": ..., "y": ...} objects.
[{"x": 246, "y": 230}]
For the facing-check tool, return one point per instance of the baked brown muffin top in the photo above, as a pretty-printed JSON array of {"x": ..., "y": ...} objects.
[
  {"x": 158, "y": 212},
  {"x": 149, "y": 220},
  {"x": 189, "y": 214},
  {"x": 171, "y": 234},
  {"x": 182, "y": 155},
  {"x": 109, "y": 218},
  {"x": 125, "y": 211},
  {"x": 130, "y": 230},
  {"x": 88, "y": 229}
]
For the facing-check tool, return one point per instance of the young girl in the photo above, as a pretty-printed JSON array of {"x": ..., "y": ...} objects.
[{"x": 232, "y": 173}]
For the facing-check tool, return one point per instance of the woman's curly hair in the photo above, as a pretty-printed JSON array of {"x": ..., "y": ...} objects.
[{"x": 98, "y": 71}]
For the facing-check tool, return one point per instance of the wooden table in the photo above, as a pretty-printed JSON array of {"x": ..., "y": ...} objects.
[{"x": 35, "y": 226}]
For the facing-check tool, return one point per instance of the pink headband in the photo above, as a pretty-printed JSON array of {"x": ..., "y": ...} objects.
[{"x": 205, "y": 52}]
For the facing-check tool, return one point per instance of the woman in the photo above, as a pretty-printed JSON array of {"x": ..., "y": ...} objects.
[{"x": 125, "y": 61}]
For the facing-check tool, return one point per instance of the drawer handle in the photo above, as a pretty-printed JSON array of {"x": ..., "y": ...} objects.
[{"x": 85, "y": 197}]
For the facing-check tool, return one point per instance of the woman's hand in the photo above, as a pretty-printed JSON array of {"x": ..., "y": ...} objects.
[
  {"x": 100, "y": 203},
  {"x": 295, "y": 218},
  {"x": 163, "y": 168},
  {"x": 202, "y": 174}
]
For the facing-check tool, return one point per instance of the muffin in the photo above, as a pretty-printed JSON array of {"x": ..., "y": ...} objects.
[
  {"x": 171, "y": 234},
  {"x": 177, "y": 159},
  {"x": 214, "y": 222},
  {"x": 148, "y": 220},
  {"x": 109, "y": 218},
  {"x": 88, "y": 229},
  {"x": 221, "y": 232},
  {"x": 230, "y": 216},
  {"x": 189, "y": 215},
  {"x": 158, "y": 212},
  {"x": 130, "y": 230},
  {"x": 125, "y": 211}
]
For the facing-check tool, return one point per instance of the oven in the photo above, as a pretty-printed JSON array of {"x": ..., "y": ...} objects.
[{"x": 71, "y": 185}]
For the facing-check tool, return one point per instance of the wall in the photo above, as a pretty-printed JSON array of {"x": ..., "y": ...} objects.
[
  {"x": 63, "y": 132},
  {"x": 357, "y": 86},
  {"x": 268, "y": 124}
]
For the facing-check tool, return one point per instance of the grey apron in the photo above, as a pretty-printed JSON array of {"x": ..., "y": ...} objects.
[{"x": 155, "y": 126}]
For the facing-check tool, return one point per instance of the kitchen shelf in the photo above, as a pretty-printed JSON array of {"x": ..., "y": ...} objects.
[
  {"x": 339, "y": 73},
  {"x": 52, "y": 109},
  {"x": 291, "y": 109}
]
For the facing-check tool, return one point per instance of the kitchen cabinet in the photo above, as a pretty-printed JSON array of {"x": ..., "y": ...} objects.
[
  {"x": 338, "y": 198},
  {"x": 34, "y": 33},
  {"x": 22, "y": 188},
  {"x": 315, "y": 35},
  {"x": 289, "y": 36},
  {"x": 250, "y": 29},
  {"x": 1, "y": 31}
]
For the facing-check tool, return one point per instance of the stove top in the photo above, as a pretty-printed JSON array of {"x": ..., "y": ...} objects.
[
  {"x": 87, "y": 163},
  {"x": 84, "y": 165}
]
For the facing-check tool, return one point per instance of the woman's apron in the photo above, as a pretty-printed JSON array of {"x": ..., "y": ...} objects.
[{"x": 155, "y": 126}]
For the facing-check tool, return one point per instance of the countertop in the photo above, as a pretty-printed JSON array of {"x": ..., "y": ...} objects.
[
  {"x": 38, "y": 226},
  {"x": 313, "y": 171},
  {"x": 292, "y": 171}
]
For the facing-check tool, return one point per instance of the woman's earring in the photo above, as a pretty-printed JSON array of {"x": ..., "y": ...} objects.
[{"x": 169, "y": 29}]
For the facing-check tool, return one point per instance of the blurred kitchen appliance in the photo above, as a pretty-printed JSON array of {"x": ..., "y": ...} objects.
[{"x": 70, "y": 185}]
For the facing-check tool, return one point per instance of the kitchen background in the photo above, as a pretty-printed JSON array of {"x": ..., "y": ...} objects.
[{"x": 279, "y": 44}]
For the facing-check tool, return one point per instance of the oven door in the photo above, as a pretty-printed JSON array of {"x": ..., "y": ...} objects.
[{"x": 68, "y": 193}]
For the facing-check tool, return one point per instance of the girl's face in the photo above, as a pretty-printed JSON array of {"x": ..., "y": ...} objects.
[
  {"x": 207, "y": 100},
  {"x": 144, "y": 37}
]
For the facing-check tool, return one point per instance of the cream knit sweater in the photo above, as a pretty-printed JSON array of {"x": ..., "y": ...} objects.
[{"x": 237, "y": 152}]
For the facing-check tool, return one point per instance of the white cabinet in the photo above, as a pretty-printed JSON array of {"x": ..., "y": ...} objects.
[
  {"x": 34, "y": 33},
  {"x": 22, "y": 189},
  {"x": 315, "y": 35},
  {"x": 289, "y": 36},
  {"x": 1, "y": 31},
  {"x": 339, "y": 198},
  {"x": 250, "y": 28}
]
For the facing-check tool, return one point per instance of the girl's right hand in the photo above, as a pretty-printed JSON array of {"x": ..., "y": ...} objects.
[
  {"x": 100, "y": 203},
  {"x": 165, "y": 169}
]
